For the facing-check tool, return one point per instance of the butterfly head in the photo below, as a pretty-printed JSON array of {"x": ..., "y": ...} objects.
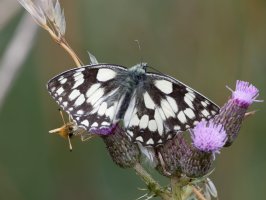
[{"x": 139, "y": 68}]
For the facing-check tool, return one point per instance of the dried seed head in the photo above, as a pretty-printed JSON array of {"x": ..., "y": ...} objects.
[{"x": 44, "y": 11}]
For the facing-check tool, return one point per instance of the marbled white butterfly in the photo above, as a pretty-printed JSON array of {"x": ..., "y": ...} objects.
[{"x": 152, "y": 107}]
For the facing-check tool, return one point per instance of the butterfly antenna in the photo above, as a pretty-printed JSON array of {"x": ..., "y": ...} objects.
[
  {"x": 156, "y": 70},
  {"x": 141, "y": 59}
]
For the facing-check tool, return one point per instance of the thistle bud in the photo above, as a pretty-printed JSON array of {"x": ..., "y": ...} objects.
[
  {"x": 233, "y": 112},
  {"x": 170, "y": 154},
  {"x": 123, "y": 152}
]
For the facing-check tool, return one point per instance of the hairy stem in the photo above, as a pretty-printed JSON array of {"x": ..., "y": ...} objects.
[
  {"x": 176, "y": 189},
  {"x": 152, "y": 185}
]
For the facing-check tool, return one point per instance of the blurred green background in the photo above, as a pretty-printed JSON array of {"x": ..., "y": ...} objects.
[{"x": 207, "y": 44}]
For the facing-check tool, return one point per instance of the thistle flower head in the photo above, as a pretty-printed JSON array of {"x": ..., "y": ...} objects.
[
  {"x": 245, "y": 94},
  {"x": 209, "y": 137}
]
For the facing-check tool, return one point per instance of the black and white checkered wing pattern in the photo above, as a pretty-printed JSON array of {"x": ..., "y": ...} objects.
[
  {"x": 162, "y": 107},
  {"x": 91, "y": 95}
]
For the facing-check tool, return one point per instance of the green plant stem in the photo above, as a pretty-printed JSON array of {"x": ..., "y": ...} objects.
[
  {"x": 152, "y": 185},
  {"x": 176, "y": 189}
]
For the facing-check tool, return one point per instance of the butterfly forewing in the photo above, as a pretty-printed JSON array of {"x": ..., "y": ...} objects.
[
  {"x": 91, "y": 95},
  {"x": 162, "y": 107}
]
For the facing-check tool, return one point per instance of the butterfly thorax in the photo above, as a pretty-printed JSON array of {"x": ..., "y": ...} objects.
[{"x": 134, "y": 79}]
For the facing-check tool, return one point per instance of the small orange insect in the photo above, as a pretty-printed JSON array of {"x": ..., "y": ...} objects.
[{"x": 70, "y": 129}]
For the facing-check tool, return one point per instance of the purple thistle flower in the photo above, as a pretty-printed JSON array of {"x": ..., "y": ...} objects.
[
  {"x": 245, "y": 94},
  {"x": 209, "y": 137}
]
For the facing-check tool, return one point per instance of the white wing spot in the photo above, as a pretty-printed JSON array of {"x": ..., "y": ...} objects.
[
  {"x": 182, "y": 118},
  {"x": 203, "y": 103},
  {"x": 65, "y": 103},
  {"x": 53, "y": 89},
  {"x": 152, "y": 125},
  {"x": 74, "y": 94},
  {"x": 78, "y": 75},
  {"x": 144, "y": 122},
  {"x": 85, "y": 122},
  {"x": 92, "y": 89},
  {"x": 102, "y": 109},
  {"x": 111, "y": 111},
  {"x": 172, "y": 103},
  {"x": 96, "y": 96},
  {"x": 167, "y": 109},
  {"x": 165, "y": 86},
  {"x": 60, "y": 78},
  {"x": 191, "y": 96},
  {"x": 95, "y": 124},
  {"x": 188, "y": 101},
  {"x": 205, "y": 113},
  {"x": 80, "y": 112},
  {"x": 105, "y": 74},
  {"x": 134, "y": 121},
  {"x": 78, "y": 83},
  {"x": 213, "y": 112},
  {"x": 177, "y": 128},
  {"x": 139, "y": 139},
  {"x": 129, "y": 111},
  {"x": 60, "y": 90},
  {"x": 150, "y": 141},
  {"x": 80, "y": 100},
  {"x": 160, "y": 141},
  {"x": 105, "y": 124},
  {"x": 63, "y": 81},
  {"x": 161, "y": 113},
  {"x": 195, "y": 123},
  {"x": 149, "y": 103},
  {"x": 159, "y": 121},
  {"x": 130, "y": 133},
  {"x": 169, "y": 136},
  {"x": 60, "y": 99},
  {"x": 189, "y": 113}
]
